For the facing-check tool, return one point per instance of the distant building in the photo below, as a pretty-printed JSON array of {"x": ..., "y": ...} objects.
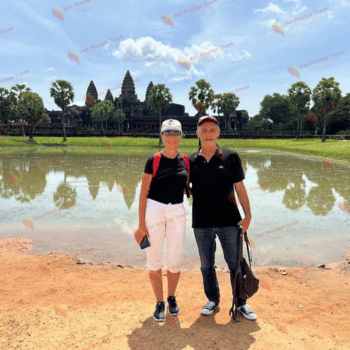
[{"x": 138, "y": 114}]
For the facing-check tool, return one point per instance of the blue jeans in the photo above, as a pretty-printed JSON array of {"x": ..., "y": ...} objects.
[{"x": 205, "y": 238}]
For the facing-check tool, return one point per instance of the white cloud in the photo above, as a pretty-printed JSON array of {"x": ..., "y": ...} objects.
[
  {"x": 154, "y": 52},
  {"x": 344, "y": 3},
  {"x": 50, "y": 69},
  {"x": 178, "y": 79},
  {"x": 148, "y": 50},
  {"x": 270, "y": 8},
  {"x": 236, "y": 57},
  {"x": 268, "y": 23},
  {"x": 298, "y": 8},
  {"x": 134, "y": 73}
]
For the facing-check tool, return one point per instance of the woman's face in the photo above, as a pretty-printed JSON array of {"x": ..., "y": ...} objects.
[{"x": 172, "y": 141}]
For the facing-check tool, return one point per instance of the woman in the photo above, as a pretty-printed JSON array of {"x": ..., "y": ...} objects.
[{"x": 162, "y": 214}]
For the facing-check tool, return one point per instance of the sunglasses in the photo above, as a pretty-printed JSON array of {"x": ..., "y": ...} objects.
[{"x": 175, "y": 133}]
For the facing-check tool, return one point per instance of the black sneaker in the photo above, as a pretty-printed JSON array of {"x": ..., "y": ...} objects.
[
  {"x": 247, "y": 312},
  {"x": 209, "y": 307},
  {"x": 159, "y": 314},
  {"x": 173, "y": 308}
]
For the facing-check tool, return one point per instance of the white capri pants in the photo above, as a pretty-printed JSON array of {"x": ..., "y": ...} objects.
[{"x": 165, "y": 220}]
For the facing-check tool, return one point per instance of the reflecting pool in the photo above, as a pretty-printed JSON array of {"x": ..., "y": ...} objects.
[{"x": 70, "y": 203}]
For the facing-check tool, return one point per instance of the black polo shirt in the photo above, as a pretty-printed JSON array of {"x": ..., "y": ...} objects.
[{"x": 211, "y": 185}]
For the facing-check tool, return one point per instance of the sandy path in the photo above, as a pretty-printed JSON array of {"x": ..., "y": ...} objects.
[{"x": 47, "y": 303}]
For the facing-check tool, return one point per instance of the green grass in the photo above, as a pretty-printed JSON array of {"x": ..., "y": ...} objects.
[{"x": 91, "y": 145}]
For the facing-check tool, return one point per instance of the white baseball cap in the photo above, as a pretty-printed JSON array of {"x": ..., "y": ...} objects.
[{"x": 171, "y": 124}]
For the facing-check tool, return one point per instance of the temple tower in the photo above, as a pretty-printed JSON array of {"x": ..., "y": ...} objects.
[
  {"x": 148, "y": 91},
  {"x": 93, "y": 92},
  {"x": 109, "y": 96},
  {"x": 128, "y": 89}
]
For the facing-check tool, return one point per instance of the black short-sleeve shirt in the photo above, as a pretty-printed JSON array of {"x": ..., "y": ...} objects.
[
  {"x": 169, "y": 183},
  {"x": 212, "y": 183}
]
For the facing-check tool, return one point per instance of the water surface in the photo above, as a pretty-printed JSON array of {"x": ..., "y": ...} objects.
[{"x": 299, "y": 206}]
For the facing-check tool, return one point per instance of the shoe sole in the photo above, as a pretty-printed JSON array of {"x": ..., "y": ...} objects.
[
  {"x": 249, "y": 319},
  {"x": 159, "y": 320},
  {"x": 211, "y": 311},
  {"x": 173, "y": 314}
]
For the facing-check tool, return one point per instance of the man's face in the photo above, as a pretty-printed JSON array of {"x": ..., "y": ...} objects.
[{"x": 208, "y": 133}]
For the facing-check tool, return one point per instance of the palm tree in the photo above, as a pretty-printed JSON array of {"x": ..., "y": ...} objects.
[
  {"x": 201, "y": 95},
  {"x": 325, "y": 95},
  {"x": 299, "y": 96},
  {"x": 227, "y": 104},
  {"x": 160, "y": 98},
  {"x": 63, "y": 95}
]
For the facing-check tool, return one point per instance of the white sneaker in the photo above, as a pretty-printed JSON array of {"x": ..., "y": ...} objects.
[
  {"x": 247, "y": 312},
  {"x": 209, "y": 307}
]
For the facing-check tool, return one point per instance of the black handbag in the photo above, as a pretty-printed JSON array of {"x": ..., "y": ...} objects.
[{"x": 244, "y": 283}]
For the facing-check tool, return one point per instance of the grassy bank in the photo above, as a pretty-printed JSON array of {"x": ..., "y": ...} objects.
[{"x": 328, "y": 149}]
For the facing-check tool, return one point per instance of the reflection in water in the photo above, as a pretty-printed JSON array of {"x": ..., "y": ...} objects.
[{"x": 79, "y": 201}]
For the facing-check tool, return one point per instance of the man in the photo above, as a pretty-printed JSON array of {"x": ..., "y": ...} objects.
[{"x": 213, "y": 171}]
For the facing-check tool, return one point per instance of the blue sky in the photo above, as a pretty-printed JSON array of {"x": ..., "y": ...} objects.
[{"x": 152, "y": 48}]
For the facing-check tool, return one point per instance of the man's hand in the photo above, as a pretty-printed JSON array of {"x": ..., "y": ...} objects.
[
  {"x": 245, "y": 224},
  {"x": 243, "y": 199}
]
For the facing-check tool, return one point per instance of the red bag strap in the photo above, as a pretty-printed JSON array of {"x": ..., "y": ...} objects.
[
  {"x": 186, "y": 160},
  {"x": 156, "y": 160}
]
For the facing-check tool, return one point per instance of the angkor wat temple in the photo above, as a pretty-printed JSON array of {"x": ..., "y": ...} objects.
[{"x": 137, "y": 113}]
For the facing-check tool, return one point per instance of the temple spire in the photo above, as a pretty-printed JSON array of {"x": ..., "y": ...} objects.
[
  {"x": 92, "y": 91},
  {"x": 109, "y": 96},
  {"x": 128, "y": 88},
  {"x": 148, "y": 91}
]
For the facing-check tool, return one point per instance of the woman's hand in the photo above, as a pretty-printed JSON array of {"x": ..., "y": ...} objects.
[{"x": 140, "y": 233}]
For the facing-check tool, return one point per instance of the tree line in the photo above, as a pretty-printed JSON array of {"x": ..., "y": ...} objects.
[{"x": 290, "y": 112}]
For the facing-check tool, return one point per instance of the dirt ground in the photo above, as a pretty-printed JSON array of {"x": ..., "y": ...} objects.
[{"x": 55, "y": 301}]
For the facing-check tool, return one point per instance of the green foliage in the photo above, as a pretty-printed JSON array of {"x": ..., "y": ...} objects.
[
  {"x": 119, "y": 116},
  {"x": 45, "y": 119},
  {"x": 102, "y": 112},
  {"x": 275, "y": 108},
  {"x": 62, "y": 93},
  {"x": 31, "y": 108},
  {"x": 201, "y": 96},
  {"x": 146, "y": 145},
  {"x": 20, "y": 89},
  {"x": 299, "y": 96},
  {"x": 324, "y": 95},
  {"x": 227, "y": 104},
  {"x": 160, "y": 99},
  {"x": 8, "y": 104}
]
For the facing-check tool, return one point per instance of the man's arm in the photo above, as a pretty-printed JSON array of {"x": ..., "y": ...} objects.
[{"x": 243, "y": 199}]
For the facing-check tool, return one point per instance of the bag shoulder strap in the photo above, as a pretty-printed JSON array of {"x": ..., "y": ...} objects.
[{"x": 156, "y": 161}]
